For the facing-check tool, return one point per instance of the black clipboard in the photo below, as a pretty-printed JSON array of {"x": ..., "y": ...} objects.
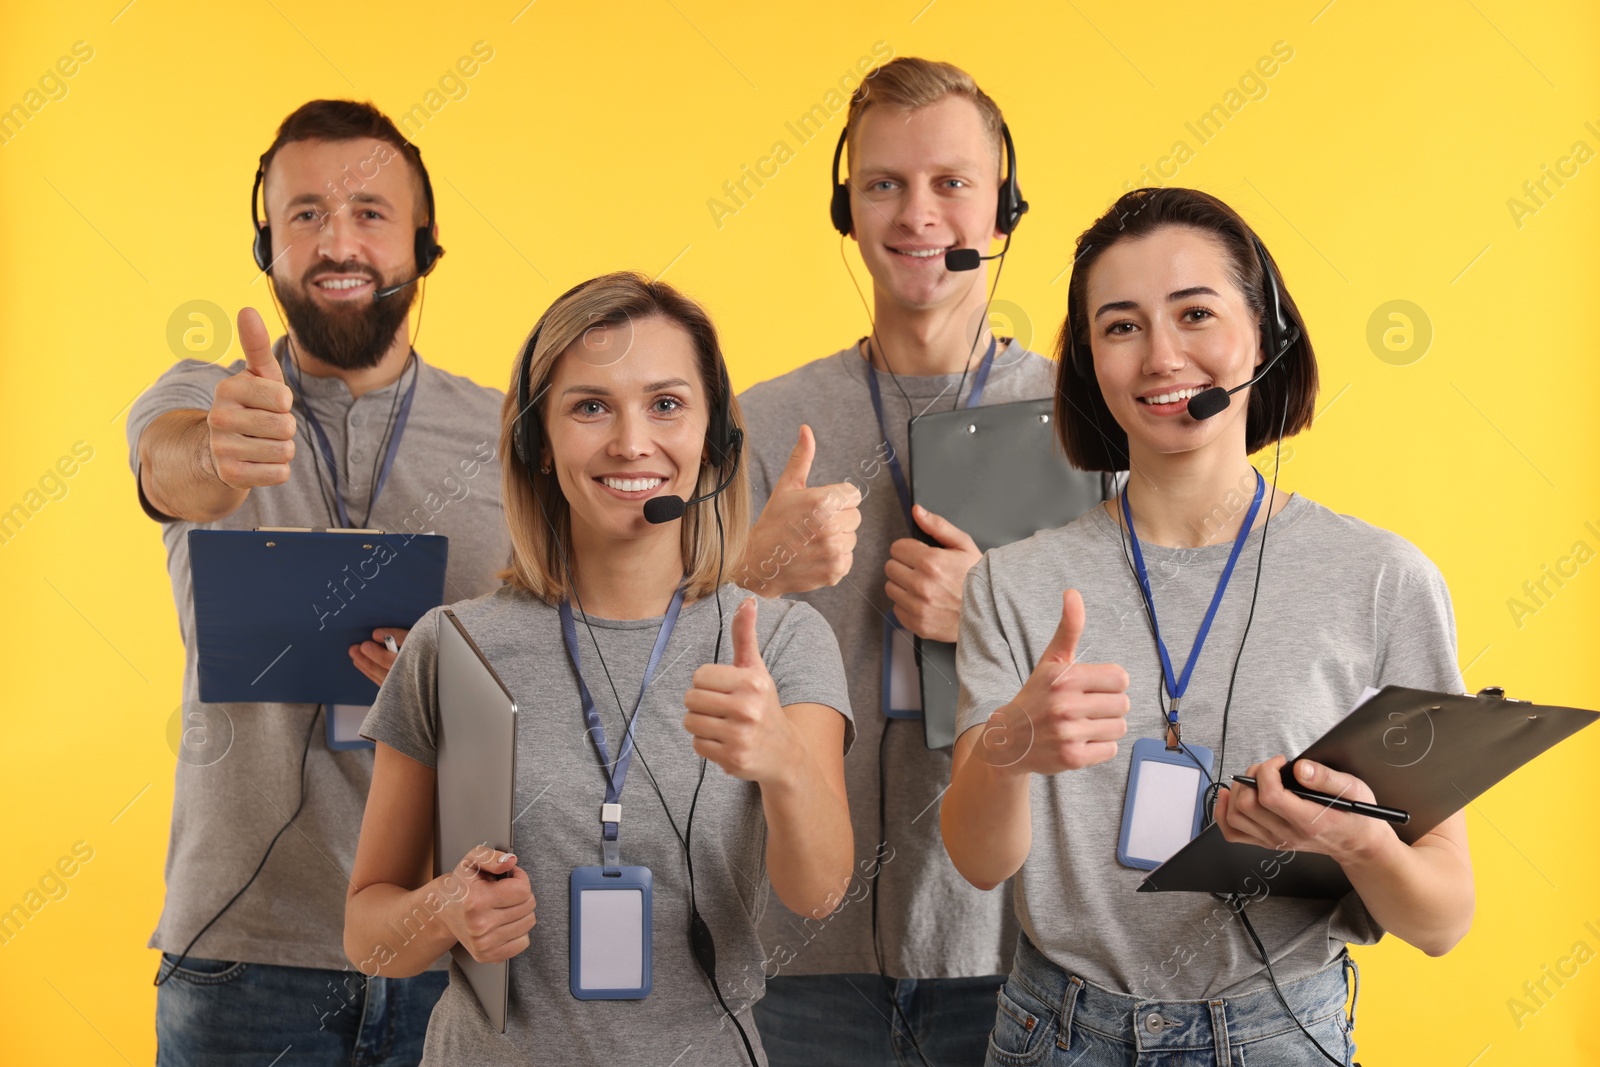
[
  {"x": 1429, "y": 754},
  {"x": 998, "y": 473},
  {"x": 276, "y": 611}
]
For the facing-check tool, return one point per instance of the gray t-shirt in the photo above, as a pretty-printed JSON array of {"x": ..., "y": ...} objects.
[
  {"x": 1343, "y": 605},
  {"x": 932, "y": 923},
  {"x": 238, "y": 772},
  {"x": 559, "y": 789}
]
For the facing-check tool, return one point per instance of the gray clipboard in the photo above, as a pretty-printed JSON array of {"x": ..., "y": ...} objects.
[
  {"x": 998, "y": 473},
  {"x": 1429, "y": 754},
  {"x": 476, "y": 767}
]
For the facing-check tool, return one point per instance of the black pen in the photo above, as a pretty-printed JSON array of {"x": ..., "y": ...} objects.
[{"x": 1371, "y": 811}]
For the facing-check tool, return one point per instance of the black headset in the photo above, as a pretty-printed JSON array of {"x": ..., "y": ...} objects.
[
  {"x": 1278, "y": 330},
  {"x": 1009, "y": 208},
  {"x": 723, "y": 438},
  {"x": 426, "y": 249}
]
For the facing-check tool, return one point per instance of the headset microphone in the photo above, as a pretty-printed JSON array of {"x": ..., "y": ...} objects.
[
  {"x": 390, "y": 290},
  {"x": 1278, "y": 330},
  {"x": 1214, "y": 401},
  {"x": 660, "y": 509},
  {"x": 968, "y": 258}
]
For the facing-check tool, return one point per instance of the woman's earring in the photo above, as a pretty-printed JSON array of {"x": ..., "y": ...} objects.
[{"x": 544, "y": 470}]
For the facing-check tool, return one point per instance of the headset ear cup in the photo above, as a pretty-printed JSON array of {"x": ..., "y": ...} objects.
[
  {"x": 839, "y": 206},
  {"x": 839, "y": 210},
  {"x": 425, "y": 250},
  {"x": 1082, "y": 362},
  {"x": 724, "y": 438},
  {"x": 1009, "y": 206},
  {"x": 262, "y": 249},
  {"x": 527, "y": 417},
  {"x": 1278, "y": 330}
]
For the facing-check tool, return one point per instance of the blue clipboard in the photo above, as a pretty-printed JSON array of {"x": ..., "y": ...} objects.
[{"x": 276, "y": 611}]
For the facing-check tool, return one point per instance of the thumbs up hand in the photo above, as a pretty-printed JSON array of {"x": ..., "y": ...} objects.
[
  {"x": 1068, "y": 715},
  {"x": 806, "y": 537},
  {"x": 251, "y": 421},
  {"x": 734, "y": 715}
]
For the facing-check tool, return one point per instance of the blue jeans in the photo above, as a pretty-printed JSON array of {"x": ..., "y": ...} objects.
[
  {"x": 1049, "y": 1017},
  {"x": 849, "y": 1020},
  {"x": 220, "y": 1012}
]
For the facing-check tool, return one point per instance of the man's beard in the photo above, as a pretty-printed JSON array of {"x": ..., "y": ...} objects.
[{"x": 350, "y": 337}]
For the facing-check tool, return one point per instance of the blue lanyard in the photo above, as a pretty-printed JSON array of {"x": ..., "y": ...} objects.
[
  {"x": 1177, "y": 687},
  {"x": 979, "y": 380},
  {"x": 615, "y": 776},
  {"x": 388, "y": 456}
]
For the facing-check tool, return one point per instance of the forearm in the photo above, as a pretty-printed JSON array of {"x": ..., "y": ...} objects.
[
  {"x": 1421, "y": 893},
  {"x": 176, "y": 473},
  {"x": 810, "y": 845},
  {"x": 397, "y": 932},
  {"x": 985, "y": 817}
]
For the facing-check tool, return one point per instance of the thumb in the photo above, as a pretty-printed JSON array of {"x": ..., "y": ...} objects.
[
  {"x": 257, "y": 346},
  {"x": 486, "y": 860},
  {"x": 1064, "y": 645},
  {"x": 941, "y": 529},
  {"x": 1323, "y": 779},
  {"x": 746, "y": 653},
  {"x": 798, "y": 468}
]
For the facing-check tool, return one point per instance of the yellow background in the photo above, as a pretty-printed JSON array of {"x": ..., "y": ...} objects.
[{"x": 1377, "y": 167}]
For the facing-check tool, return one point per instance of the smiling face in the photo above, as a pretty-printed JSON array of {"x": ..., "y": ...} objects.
[
  {"x": 344, "y": 216},
  {"x": 1167, "y": 321},
  {"x": 625, "y": 419},
  {"x": 922, "y": 182}
]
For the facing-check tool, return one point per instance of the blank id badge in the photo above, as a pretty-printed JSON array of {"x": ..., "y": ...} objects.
[
  {"x": 1164, "y": 808},
  {"x": 610, "y": 923},
  {"x": 902, "y": 676}
]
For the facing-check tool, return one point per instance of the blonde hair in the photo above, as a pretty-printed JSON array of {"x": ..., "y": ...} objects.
[
  {"x": 537, "y": 563},
  {"x": 910, "y": 83}
]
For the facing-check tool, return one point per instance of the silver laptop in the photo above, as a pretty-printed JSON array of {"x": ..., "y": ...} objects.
[{"x": 477, "y": 772}]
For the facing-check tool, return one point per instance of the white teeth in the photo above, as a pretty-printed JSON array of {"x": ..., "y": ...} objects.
[
  {"x": 341, "y": 283},
  {"x": 927, "y": 253},
  {"x": 1172, "y": 398},
  {"x": 631, "y": 485}
]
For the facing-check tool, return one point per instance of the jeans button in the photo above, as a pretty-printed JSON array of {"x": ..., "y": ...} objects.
[{"x": 1154, "y": 1023}]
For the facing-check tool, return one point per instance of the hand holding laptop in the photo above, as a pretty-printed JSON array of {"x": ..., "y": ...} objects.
[{"x": 489, "y": 904}]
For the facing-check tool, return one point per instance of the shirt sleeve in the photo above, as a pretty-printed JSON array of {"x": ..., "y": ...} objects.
[
  {"x": 188, "y": 385},
  {"x": 1417, "y": 649},
  {"x": 755, "y": 463},
  {"x": 1418, "y": 645},
  {"x": 802, "y": 655},
  {"x": 406, "y": 714},
  {"x": 986, "y": 666}
]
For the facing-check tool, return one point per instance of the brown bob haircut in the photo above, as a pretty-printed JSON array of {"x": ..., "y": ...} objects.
[
  {"x": 613, "y": 300},
  {"x": 1091, "y": 437},
  {"x": 349, "y": 120}
]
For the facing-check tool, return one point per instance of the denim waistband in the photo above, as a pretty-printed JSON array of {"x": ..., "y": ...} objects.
[{"x": 1175, "y": 1025}]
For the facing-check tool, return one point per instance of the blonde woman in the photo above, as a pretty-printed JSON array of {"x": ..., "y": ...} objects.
[{"x": 620, "y": 396}]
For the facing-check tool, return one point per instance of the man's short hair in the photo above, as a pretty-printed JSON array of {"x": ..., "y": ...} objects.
[
  {"x": 910, "y": 83},
  {"x": 349, "y": 120}
]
